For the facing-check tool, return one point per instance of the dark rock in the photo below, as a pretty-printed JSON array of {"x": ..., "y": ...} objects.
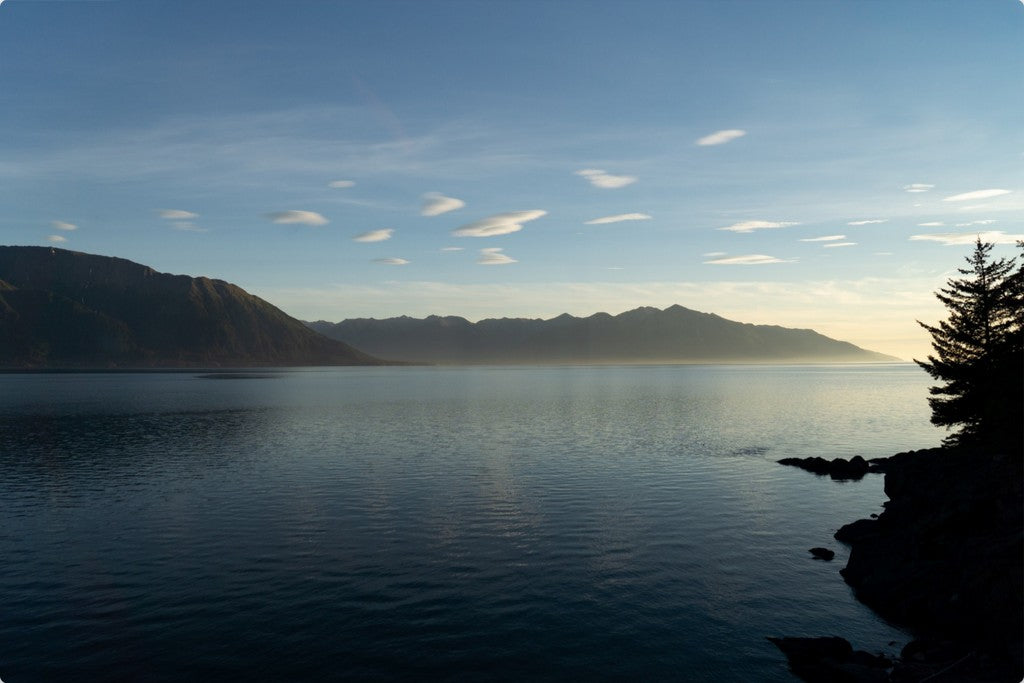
[
  {"x": 823, "y": 553},
  {"x": 838, "y": 468},
  {"x": 946, "y": 557},
  {"x": 832, "y": 660},
  {"x": 854, "y": 531}
]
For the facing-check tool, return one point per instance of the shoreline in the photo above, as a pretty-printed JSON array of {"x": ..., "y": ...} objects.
[{"x": 945, "y": 560}]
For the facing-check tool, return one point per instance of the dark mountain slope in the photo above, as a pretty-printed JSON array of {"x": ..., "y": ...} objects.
[
  {"x": 643, "y": 335},
  {"x": 62, "y": 308}
]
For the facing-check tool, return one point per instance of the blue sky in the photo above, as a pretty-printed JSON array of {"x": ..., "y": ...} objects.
[{"x": 807, "y": 163}]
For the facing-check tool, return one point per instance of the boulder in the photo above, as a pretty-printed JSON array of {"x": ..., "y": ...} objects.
[{"x": 832, "y": 660}]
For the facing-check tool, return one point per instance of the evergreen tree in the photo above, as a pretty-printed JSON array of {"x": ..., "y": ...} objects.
[{"x": 979, "y": 354}]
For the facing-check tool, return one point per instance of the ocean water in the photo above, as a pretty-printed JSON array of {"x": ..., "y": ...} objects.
[{"x": 498, "y": 523}]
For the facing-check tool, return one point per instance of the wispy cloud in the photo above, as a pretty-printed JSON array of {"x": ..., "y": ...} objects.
[
  {"x": 435, "y": 204},
  {"x": 747, "y": 260},
  {"x": 931, "y": 224},
  {"x": 751, "y": 226},
  {"x": 391, "y": 261},
  {"x": 499, "y": 224},
  {"x": 969, "y": 224},
  {"x": 977, "y": 194},
  {"x": 446, "y": 249},
  {"x": 187, "y": 226},
  {"x": 839, "y": 244},
  {"x": 340, "y": 184},
  {"x": 297, "y": 217},
  {"x": 61, "y": 225},
  {"x": 600, "y": 178},
  {"x": 961, "y": 238},
  {"x": 494, "y": 257},
  {"x": 374, "y": 235},
  {"x": 181, "y": 219},
  {"x": 824, "y": 238},
  {"x": 177, "y": 214},
  {"x": 56, "y": 239},
  {"x": 721, "y": 137},
  {"x": 869, "y": 222},
  {"x": 619, "y": 218},
  {"x": 918, "y": 187}
]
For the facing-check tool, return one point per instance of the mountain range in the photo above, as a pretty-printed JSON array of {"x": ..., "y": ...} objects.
[
  {"x": 642, "y": 335},
  {"x": 68, "y": 309}
]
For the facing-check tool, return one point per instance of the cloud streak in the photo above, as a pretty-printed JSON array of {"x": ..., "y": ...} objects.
[
  {"x": 825, "y": 238},
  {"x": 619, "y": 218},
  {"x": 918, "y": 187},
  {"x": 493, "y": 257},
  {"x": 294, "y": 217},
  {"x": 498, "y": 224},
  {"x": 873, "y": 221},
  {"x": 56, "y": 239},
  {"x": 435, "y": 204},
  {"x": 177, "y": 214},
  {"x": 721, "y": 137},
  {"x": 747, "y": 260},
  {"x": 751, "y": 226},
  {"x": 62, "y": 225},
  {"x": 374, "y": 235},
  {"x": 977, "y": 194},
  {"x": 833, "y": 245},
  {"x": 391, "y": 261},
  {"x": 600, "y": 178},
  {"x": 187, "y": 226},
  {"x": 967, "y": 238},
  {"x": 341, "y": 184}
]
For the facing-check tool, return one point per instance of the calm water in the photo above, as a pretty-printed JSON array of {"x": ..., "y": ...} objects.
[{"x": 452, "y": 523}]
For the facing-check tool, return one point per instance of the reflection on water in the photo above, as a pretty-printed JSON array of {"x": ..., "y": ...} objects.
[{"x": 446, "y": 522}]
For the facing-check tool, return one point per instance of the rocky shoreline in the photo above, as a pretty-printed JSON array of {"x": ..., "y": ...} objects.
[{"x": 945, "y": 560}]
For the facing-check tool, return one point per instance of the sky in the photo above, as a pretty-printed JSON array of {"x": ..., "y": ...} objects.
[{"x": 821, "y": 164}]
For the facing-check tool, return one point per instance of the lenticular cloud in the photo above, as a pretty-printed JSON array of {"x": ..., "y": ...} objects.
[
  {"x": 599, "y": 178},
  {"x": 299, "y": 217},
  {"x": 434, "y": 204},
  {"x": 498, "y": 224},
  {"x": 619, "y": 218},
  {"x": 494, "y": 257},
  {"x": 374, "y": 235},
  {"x": 721, "y": 137}
]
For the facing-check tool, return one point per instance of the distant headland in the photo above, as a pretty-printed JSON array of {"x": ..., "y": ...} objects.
[
  {"x": 642, "y": 335},
  {"x": 67, "y": 309}
]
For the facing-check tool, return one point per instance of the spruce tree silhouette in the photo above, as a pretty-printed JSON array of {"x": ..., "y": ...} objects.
[{"x": 979, "y": 354}]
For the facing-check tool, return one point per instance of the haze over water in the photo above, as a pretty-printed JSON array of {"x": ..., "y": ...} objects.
[{"x": 508, "y": 523}]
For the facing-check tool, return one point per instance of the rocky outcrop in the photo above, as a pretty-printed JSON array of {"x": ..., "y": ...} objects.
[
  {"x": 837, "y": 468},
  {"x": 831, "y": 659},
  {"x": 944, "y": 560},
  {"x": 946, "y": 557}
]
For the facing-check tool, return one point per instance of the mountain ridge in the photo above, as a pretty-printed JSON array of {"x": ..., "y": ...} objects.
[
  {"x": 68, "y": 309},
  {"x": 641, "y": 335}
]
